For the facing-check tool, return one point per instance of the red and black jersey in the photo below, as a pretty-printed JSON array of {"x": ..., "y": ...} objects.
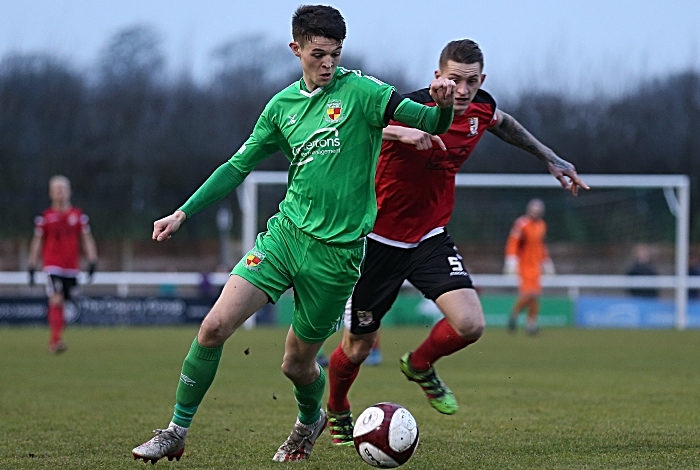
[
  {"x": 416, "y": 188},
  {"x": 61, "y": 233}
]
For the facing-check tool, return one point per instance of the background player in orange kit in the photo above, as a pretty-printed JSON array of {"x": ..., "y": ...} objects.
[
  {"x": 526, "y": 255},
  {"x": 58, "y": 234}
]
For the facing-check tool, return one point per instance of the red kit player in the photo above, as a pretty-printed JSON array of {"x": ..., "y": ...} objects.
[
  {"x": 415, "y": 185},
  {"x": 58, "y": 234}
]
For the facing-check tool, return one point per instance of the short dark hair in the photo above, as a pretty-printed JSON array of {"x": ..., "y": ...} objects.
[
  {"x": 464, "y": 51},
  {"x": 318, "y": 21}
]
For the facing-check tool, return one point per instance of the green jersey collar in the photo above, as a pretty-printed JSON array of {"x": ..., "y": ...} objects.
[{"x": 309, "y": 94}]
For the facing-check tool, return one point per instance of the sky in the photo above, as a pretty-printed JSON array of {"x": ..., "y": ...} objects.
[{"x": 578, "y": 47}]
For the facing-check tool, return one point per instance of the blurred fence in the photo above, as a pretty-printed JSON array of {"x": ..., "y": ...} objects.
[{"x": 164, "y": 285}]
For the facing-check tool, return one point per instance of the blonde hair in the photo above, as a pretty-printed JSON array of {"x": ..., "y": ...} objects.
[{"x": 59, "y": 179}]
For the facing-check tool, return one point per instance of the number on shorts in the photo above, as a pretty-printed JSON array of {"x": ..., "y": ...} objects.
[{"x": 456, "y": 263}]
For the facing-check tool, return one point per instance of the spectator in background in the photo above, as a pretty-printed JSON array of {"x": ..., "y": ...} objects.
[
  {"x": 642, "y": 266},
  {"x": 527, "y": 256},
  {"x": 58, "y": 233}
]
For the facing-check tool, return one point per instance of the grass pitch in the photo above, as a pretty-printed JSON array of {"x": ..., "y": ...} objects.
[{"x": 565, "y": 399}]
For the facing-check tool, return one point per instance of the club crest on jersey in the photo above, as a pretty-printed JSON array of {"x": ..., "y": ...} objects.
[
  {"x": 334, "y": 111},
  {"x": 364, "y": 317},
  {"x": 473, "y": 126},
  {"x": 253, "y": 260}
]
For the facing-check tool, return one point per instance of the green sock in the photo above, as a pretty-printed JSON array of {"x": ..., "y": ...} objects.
[
  {"x": 198, "y": 373},
  {"x": 309, "y": 399}
]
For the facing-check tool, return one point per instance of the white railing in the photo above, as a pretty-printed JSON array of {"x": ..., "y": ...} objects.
[{"x": 572, "y": 283}]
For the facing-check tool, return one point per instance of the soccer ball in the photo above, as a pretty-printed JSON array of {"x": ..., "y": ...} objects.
[{"x": 386, "y": 435}]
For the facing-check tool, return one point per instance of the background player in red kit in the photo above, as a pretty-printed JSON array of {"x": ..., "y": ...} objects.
[
  {"x": 58, "y": 234},
  {"x": 415, "y": 185}
]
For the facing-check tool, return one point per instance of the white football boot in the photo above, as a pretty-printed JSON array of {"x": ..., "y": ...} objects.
[
  {"x": 300, "y": 442},
  {"x": 166, "y": 443}
]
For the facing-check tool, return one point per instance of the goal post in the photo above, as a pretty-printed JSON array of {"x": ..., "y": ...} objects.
[{"x": 676, "y": 191}]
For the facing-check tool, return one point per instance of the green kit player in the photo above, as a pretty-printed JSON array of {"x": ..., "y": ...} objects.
[{"x": 329, "y": 125}]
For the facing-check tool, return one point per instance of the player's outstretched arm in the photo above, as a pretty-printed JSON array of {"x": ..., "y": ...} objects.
[
  {"x": 508, "y": 129},
  {"x": 431, "y": 119},
  {"x": 227, "y": 177},
  {"x": 222, "y": 181},
  {"x": 407, "y": 135}
]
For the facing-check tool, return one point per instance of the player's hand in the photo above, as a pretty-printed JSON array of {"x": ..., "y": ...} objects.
[
  {"x": 565, "y": 172},
  {"x": 31, "y": 276},
  {"x": 419, "y": 139},
  {"x": 91, "y": 271},
  {"x": 165, "y": 227},
  {"x": 442, "y": 90},
  {"x": 511, "y": 265},
  {"x": 548, "y": 267}
]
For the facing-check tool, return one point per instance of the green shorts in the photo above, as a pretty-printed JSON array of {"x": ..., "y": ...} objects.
[{"x": 322, "y": 275}]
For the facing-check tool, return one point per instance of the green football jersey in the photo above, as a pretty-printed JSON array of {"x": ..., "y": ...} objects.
[{"x": 332, "y": 137}]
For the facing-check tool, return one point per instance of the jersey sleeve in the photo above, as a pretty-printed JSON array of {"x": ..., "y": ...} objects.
[
  {"x": 513, "y": 242},
  {"x": 376, "y": 97},
  {"x": 430, "y": 119},
  {"x": 485, "y": 97},
  {"x": 39, "y": 223},
  {"x": 222, "y": 181},
  {"x": 263, "y": 142},
  {"x": 494, "y": 119},
  {"x": 421, "y": 96},
  {"x": 84, "y": 223}
]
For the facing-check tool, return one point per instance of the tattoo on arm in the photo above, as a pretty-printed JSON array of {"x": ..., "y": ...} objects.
[{"x": 512, "y": 132}]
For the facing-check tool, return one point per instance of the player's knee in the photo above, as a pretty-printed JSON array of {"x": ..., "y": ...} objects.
[
  {"x": 358, "y": 348},
  {"x": 358, "y": 352},
  {"x": 471, "y": 327},
  {"x": 298, "y": 371},
  {"x": 212, "y": 332},
  {"x": 289, "y": 369}
]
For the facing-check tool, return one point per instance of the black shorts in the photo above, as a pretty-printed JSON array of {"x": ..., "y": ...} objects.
[
  {"x": 433, "y": 267},
  {"x": 56, "y": 284}
]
